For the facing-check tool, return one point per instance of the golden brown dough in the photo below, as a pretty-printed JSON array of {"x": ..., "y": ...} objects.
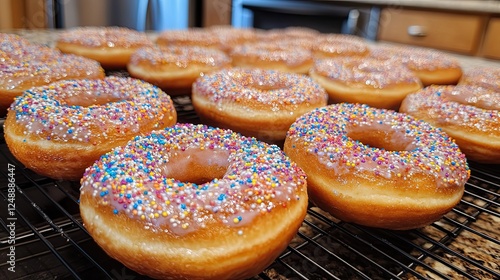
[
  {"x": 194, "y": 202},
  {"x": 469, "y": 114},
  {"x": 175, "y": 68},
  {"x": 111, "y": 46},
  {"x": 380, "y": 84},
  {"x": 255, "y": 102},
  {"x": 60, "y": 129},
  {"x": 377, "y": 167}
]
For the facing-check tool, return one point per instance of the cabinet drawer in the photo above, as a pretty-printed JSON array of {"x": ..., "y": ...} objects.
[
  {"x": 440, "y": 30},
  {"x": 491, "y": 44}
]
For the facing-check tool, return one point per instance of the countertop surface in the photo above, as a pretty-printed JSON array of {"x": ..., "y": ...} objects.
[{"x": 481, "y": 6}]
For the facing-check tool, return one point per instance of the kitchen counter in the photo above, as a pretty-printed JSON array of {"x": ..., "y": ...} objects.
[
  {"x": 430, "y": 249},
  {"x": 479, "y": 6}
]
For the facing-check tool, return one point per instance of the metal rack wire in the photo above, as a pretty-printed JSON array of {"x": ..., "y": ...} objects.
[{"x": 51, "y": 242}]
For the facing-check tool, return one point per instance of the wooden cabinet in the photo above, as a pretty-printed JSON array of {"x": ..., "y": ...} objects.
[
  {"x": 11, "y": 14},
  {"x": 455, "y": 32},
  {"x": 216, "y": 12},
  {"x": 491, "y": 43},
  {"x": 22, "y": 14}
]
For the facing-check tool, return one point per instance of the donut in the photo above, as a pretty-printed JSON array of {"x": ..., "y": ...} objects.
[
  {"x": 255, "y": 102},
  {"x": 24, "y": 65},
  {"x": 111, "y": 46},
  {"x": 469, "y": 114},
  {"x": 281, "y": 57},
  {"x": 339, "y": 45},
  {"x": 175, "y": 68},
  {"x": 376, "y": 83},
  {"x": 229, "y": 36},
  {"x": 194, "y": 202},
  {"x": 60, "y": 129},
  {"x": 431, "y": 66},
  {"x": 485, "y": 77},
  {"x": 193, "y": 36},
  {"x": 289, "y": 33},
  {"x": 377, "y": 167}
]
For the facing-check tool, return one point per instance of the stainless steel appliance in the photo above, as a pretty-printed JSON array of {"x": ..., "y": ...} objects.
[
  {"x": 136, "y": 14},
  {"x": 325, "y": 16}
]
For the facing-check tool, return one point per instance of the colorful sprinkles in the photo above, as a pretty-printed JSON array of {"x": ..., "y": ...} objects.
[
  {"x": 136, "y": 180},
  {"x": 324, "y": 133},
  {"x": 91, "y": 111}
]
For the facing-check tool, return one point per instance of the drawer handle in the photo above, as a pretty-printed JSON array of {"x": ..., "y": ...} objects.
[{"x": 417, "y": 31}]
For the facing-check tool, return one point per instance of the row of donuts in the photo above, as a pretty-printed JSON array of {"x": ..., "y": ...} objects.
[
  {"x": 184, "y": 55},
  {"x": 349, "y": 69}
]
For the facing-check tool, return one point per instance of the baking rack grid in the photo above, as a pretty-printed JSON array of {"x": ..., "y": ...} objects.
[{"x": 51, "y": 242}]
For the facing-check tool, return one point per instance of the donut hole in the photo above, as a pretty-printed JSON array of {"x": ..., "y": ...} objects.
[
  {"x": 382, "y": 137},
  {"x": 197, "y": 166}
]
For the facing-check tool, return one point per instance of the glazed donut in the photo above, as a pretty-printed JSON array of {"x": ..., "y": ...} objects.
[
  {"x": 339, "y": 45},
  {"x": 377, "y": 167},
  {"x": 175, "y": 68},
  {"x": 193, "y": 36},
  {"x": 255, "y": 102},
  {"x": 431, "y": 66},
  {"x": 229, "y": 36},
  {"x": 24, "y": 65},
  {"x": 111, "y": 46},
  {"x": 280, "y": 57},
  {"x": 469, "y": 114},
  {"x": 194, "y": 202},
  {"x": 60, "y": 129},
  {"x": 485, "y": 77},
  {"x": 377, "y": 83},
  {"x": 289, "y": 33}
]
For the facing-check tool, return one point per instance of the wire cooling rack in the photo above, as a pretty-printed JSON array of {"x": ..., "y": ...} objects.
[{"x": 51, "y": 242}]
